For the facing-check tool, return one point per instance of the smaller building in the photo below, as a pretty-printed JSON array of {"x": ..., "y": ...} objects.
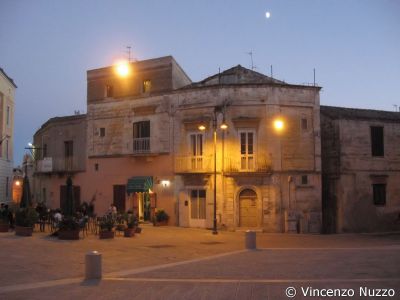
[
  {"x": 360, "y": 169},
  {"x": 7, "y": 96},
  {"x": 59, "y": 152}
]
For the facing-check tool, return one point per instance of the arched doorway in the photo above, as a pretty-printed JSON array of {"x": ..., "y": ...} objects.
[{"x": 248, "y": 208}]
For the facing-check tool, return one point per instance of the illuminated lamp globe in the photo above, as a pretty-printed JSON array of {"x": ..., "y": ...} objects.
[
  {"x": 123, "y": 69},
  {"x": 278, "y": 125}
]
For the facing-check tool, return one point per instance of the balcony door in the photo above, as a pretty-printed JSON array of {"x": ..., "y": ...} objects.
[
  {"x": 247, "y": 146},
  {"x": 141, "y": 137},
  {"x": 196, "y": 151},
  {"x": 68, "y": 155}
]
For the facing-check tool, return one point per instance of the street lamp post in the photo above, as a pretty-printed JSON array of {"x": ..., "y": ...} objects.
[{"x": 220, "y": 109}]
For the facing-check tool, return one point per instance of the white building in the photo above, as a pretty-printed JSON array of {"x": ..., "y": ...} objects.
[{"x": 7, "y": 94}]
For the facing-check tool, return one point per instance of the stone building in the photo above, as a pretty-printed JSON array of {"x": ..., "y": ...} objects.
[
  {"x": 59, "y": 151},
  {"x": 360, "y": 169},
  {"x": 144, "y": 149},
  {"x": 7, "y": 96},
  {"x": 130, "y": 136},
  {"x": 266, "y": 177}
]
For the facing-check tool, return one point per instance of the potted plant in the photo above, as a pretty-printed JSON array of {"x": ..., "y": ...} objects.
[
  {"x": 69, "y": 229},
  {"x": 161, "y": 218},
  {"x": 131, "y": 223},
  {"x": 25, "y": 219},
  {"x": 120, "y": 222},
  {"x": 107, "y": 224},
  {"x": 4, "y": 221}
]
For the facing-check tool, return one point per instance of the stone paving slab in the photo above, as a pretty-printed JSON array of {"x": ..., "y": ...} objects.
[
  {"x": 369, "y": 257},
  {"x": 294, "y": 264}
]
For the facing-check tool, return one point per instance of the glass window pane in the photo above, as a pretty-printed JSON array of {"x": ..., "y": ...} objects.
[{"x": 202, "y": 193}]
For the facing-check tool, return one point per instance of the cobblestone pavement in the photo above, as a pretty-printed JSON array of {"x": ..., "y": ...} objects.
[{"x": 179, "y": 263}]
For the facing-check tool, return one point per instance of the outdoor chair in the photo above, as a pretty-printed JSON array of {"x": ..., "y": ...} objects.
[{"x": 83, "y": 226}]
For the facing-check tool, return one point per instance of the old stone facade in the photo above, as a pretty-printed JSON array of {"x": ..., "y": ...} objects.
[
  {"x": 7, "y": 104},
  {"x": 59, "y": 151},
  {"x": 144, "y": 149},
  {"x": 154, "y": 140},
  {"x": 265, "y": 178},
  {"x": 361, "y": 169}
]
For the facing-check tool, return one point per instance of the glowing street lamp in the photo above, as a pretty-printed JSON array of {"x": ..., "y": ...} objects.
[
  {"x": 220, "y": 109},
  {"x": 123, "y": 69},
  {"x": 202, "y": 127},
  {"x": 279, "y": 125}
]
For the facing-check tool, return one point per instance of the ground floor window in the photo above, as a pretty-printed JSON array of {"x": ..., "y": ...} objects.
[
  {"x": 379, "y": 191},
  {"x": 198, "y": 204}
]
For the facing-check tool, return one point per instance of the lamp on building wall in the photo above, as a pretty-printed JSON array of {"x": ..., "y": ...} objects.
[
  {"x": 220, "y": 109},
  {"x": 122, "y": 68},
  {"x": 279, "y": 126},
  {"x": 165, "y": 183}
]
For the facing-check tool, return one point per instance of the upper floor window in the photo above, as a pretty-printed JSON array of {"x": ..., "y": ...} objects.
[
  {"x": 377, "y": 141},
  {"x": 102, "y": 132},
  {"x": 68, "y": 148},
  {"x": 109, "y": 91},
  {"x": 304, "y": 124},
  {"x": 68, "y": 154},
  {"x": 44, "y": 150},
  {"x": 8, "y": 115},
  {"x": 304, "y": 179},
  {"x": 141, "y": 136},
  {"x": 379, "y": 194},
  {"x": 146, "y": 86},
  {"x": 7, "y": 149},
  {"x": 247, "y": 149},
  {"x": 196, "y": 150}
]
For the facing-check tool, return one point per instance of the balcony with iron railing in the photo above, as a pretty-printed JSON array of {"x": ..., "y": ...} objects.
[
  {"x": 59, "y": 165},
  {"x": 247, "y": 164},
  {"x": 239, "y": 164},
  {"x": 194, "y": 164},
  {"x": 141, "y": 145}
]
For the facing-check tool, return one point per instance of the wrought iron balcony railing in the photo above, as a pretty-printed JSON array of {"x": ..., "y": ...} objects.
[
  {"x": 247, "y": 163},
  {"x": 57, "y": 165},
  {"x": 193, "y": 164},
  {"x": 141, "y": 145}
]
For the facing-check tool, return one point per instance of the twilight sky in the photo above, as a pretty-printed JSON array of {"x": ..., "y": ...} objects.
[{"x": 47, "y": 46}]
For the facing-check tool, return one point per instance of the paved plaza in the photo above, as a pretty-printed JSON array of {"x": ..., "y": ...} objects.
[{"x": 182, "y": 263}]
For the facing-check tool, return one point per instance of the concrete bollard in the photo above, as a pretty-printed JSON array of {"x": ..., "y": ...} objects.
[
  {"x": 93, "y": 265},
  {"x": 250, "y": 241}
]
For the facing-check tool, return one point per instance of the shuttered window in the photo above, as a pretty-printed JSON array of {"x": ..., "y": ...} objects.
[
  {"x": 379, "y": 191},
  {"x": 377, "y": 142}
]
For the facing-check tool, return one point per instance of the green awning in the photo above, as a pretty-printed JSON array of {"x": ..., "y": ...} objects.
[{"x": 139, "y": 184}]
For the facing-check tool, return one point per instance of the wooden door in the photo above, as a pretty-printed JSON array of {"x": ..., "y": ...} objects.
[
  {"x": 119, "y": 197},
  {"x": 248, "y": 208}
]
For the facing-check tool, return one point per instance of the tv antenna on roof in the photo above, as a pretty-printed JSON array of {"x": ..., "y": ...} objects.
[
  {"x": 128, "y": 51},
  {"x": 395, "y": 107},
  {"x": 251, "y": 57}
]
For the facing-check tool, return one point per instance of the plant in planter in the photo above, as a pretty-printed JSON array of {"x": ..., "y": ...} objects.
[
  {"x": 4, "y": 221},
  {"x": 131, "y": 223},
  {"x": 25, "y": 219},
  {"x": 161, "y": 218},
  {"x": 120, "y": 222},
  {"x": 107, "y": 224},
  {"x": 69, "y": 228}
]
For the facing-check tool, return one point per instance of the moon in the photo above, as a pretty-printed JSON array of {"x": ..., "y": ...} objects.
[{"x": 267, "y": 14}]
